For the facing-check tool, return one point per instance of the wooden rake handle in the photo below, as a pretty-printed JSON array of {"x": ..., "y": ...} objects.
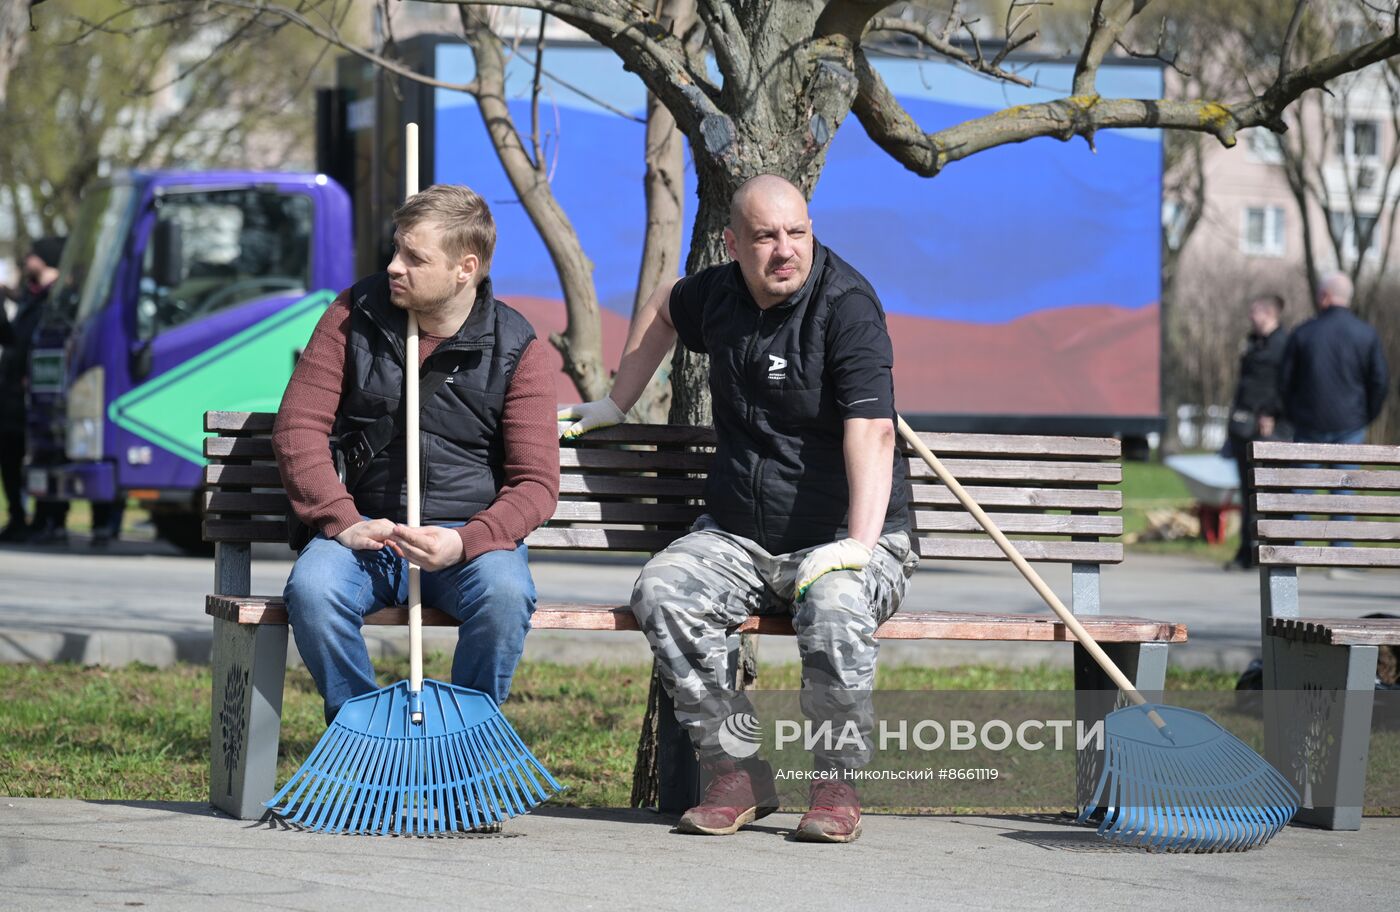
[
  {"x": 410, "y": 390},
  {"x": 1065, "y": 615}
]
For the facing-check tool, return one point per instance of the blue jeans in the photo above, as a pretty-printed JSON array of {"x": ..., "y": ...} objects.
[
  {"x": 1303, "y": 435},
  {"x": 332, "y": 588}
]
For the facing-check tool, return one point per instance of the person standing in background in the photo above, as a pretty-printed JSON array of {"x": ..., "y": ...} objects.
[
  {"x": 1334, "y": 378},
  {"x": 1255, "y": 413},
  {"x": 39, "y": 271}
]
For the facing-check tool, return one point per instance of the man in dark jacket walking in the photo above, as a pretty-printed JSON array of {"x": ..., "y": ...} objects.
[
  {"x": 1256, "y": 411},
  {"x": 1334, "y": 377},
  {"x": 16, "y": 339},
  {"x": 807, "y": 506}
]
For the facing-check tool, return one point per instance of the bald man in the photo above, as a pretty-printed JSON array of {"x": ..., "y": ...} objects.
[
  {"x": 1334, "y": 377},
  {"x": 807, "y": 506}
]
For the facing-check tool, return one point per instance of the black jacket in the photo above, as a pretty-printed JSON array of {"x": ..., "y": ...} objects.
[
  {"x": 1257, "y": 391},
  {"x": 16, "y": 341},
  {"x": 1334, "y": 376},
  {"x": 462, "y": 461},
  {"x": 782, "y": 382}
]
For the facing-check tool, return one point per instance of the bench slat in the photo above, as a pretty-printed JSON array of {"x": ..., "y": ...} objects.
[
  {"x": 1338, "y": 631},
  {"x": 217, "y": 503},
  {"x": 1356, "y": 504},
  {"x": 586, "y": 539},
  {"x": 932, "y": 625},
  {"x": 944, "y": 444},
  {"x": 238, "y": 448},
  {"x": 947, "y": 445},
  {"x": 247, "y": 422},
  {"x": 1042, "y": 498},
  {"x": 636, "y": 485},
  {"x": 965, "y": 470},
  {"x": 1335, "y": 479},
  {"x": 258, "y": 476},
  {"x": 1019, "y": 523},
  {"x": 1300, "y": 556},
  {"x": 1291, "y": 530},
  {"x": 245, "y": 530},
  {"x": 571, "y": 458},
  {"x": 231, "y": 503},
  {"x": 1373, "y": 454},
  {"x": 1051, "y": 551}
]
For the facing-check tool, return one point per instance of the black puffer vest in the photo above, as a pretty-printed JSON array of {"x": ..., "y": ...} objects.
[
  {"x": 779, "y": 472},
  {"x": 462, "y": 454}
]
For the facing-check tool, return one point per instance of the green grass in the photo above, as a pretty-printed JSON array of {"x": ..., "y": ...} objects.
[{"x": 141, "y": 733}]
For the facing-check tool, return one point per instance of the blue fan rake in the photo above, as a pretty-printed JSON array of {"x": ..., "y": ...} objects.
[{"x": 1173, "y": 779}]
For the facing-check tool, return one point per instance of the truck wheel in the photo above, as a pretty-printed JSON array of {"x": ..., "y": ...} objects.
[{"x": 183, "y": 530}]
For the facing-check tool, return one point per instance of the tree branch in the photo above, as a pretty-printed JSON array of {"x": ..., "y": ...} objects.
[
  {"x": 581, "y": 342},
  {"x": 1291, "y": 36},
  {"x": 1104, "y": 32},
  {"x": 645, "y": 47},
  {"x": 1082, "y": 115},
  {"x": 937, "y": 43},
  {"x": 730, "y": 44},
  {"x": 331, "y": 35}
]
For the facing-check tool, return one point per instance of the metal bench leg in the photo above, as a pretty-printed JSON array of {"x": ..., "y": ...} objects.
[
  {"x": 679, "y": 785},
  {"x": 1318, "y": 719},
  {"x": 249, "y": 666},
  {"x": 246, "y": 716},
  {"x": 1095, "y": 696}
]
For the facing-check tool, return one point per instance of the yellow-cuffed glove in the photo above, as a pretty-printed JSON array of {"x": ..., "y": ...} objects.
[
  {"x": 846, "y": 554},
  {"x": 588, "y": 416}
]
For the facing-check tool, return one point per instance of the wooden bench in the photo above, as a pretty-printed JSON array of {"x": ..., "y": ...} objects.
[
  {"x": 634, "y": 489},
  {"x": 1324, "y": 668}
]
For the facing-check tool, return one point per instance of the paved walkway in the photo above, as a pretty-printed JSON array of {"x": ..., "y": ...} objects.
[
  {"x": 142, "y": 602},
  {"x": 78, "y": 855}
]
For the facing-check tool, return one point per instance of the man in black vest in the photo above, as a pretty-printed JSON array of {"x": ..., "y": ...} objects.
[
  {"x": 490, "y": 455},
  {"x": 807, "y": 502}
]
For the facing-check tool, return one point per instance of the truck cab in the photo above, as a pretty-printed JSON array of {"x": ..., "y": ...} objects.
[{"x": 178, "y": 292}]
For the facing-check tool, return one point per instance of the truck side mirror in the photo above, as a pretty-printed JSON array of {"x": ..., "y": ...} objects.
[{"x": 169, "y": 255}]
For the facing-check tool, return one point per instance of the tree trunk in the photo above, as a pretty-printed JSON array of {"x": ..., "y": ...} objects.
[{"x": 14, "y": 28}]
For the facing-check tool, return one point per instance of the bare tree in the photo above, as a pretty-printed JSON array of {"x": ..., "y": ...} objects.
[
  {"x": 15, "y": 22},
  {"x": 104, "y": 93}
]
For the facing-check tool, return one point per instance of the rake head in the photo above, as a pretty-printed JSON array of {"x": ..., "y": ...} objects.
[
  {"x": 374, "y": 771},
  {"x": 1197, "y": 788}
]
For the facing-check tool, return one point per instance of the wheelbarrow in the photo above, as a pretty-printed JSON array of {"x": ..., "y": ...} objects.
[{"x": 1214, "y": 483}]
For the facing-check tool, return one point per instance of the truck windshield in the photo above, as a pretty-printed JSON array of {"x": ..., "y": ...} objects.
[{"x": 92, "y": 253}]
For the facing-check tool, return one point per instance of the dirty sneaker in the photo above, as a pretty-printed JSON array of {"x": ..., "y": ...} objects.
[
  {"x": 834, "y": 817},
  {"x": 736, "y": 796}
]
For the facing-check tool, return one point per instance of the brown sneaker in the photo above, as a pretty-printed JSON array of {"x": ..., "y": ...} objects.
[
  {"x": 834, "y": 817},
  {"x": 736, "y": 796}
]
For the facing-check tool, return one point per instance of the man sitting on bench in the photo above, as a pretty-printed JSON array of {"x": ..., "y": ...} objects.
[
  {"x": 807, "y": 502},
  {"x": 491, "y": 455}
]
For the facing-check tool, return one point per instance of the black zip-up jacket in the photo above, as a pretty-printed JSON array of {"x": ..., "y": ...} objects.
[
  {"x": 1334, "y": 376},
  {"x": 462, "y": 456},
  {"x": 782, "y": 383},
  {"x": 1257, "y": 391}
]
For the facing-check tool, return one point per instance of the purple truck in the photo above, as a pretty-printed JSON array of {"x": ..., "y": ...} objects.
[{"x": 178, "y": 292}]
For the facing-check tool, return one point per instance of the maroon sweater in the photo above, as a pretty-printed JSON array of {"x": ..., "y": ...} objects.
[{"x": 304, "y": 422}]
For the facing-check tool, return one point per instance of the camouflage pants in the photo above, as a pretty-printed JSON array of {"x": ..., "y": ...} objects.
[{"x": 690, "y": 595}]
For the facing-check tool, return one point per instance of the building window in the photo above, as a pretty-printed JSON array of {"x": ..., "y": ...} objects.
[
  {"x": 1356, "y": 139},
  {"x": 1263, "y": 231},
  {"x": 1357, "y": 235},
  {"x": 1263, "y": 146}
]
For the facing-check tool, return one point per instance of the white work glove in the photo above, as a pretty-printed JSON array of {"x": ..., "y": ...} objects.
[
  {"x": 846, "y": 554},
  {"x": 588, "y": 416}
]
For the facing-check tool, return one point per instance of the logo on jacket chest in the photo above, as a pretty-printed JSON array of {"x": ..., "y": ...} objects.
[{"x": 777, "y": 368}]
